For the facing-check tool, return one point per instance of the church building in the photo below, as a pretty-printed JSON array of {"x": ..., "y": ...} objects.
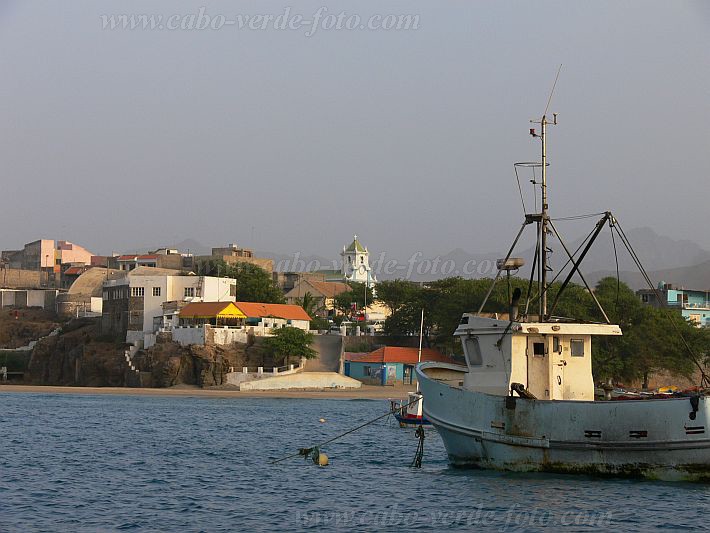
[{"x": 356, "y": 264}]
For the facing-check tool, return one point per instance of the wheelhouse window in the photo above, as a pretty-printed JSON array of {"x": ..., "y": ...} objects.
[
  {"x": 556, "y": 346},
  {"x": 473, "y": 351},
  {"x": 539, "y": 349},
  {"x": 576, "y": 347}
]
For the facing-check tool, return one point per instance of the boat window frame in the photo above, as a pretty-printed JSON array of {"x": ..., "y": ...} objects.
[
  {"x": 541, "y": 343},
  {"x": 474, "y": 350},
  {"x": 576, "y": 342}
]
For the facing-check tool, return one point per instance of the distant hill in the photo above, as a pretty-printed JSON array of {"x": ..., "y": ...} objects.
[
  {"x": 298, "y": 262},
  {"x": 691, "y": 277},
  {"x": 191, "y": 245},
  {"x": 666, "y": 259},
  {"x": 656, "y": 252}
]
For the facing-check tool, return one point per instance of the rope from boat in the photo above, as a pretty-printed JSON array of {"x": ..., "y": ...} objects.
[
  {"x": 704, "y": 378},
  {"x": 307, "y": 451},
  {"x": 417, "y": 462}
]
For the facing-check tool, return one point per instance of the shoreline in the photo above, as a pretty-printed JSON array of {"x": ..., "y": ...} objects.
[{"x": 366, "y": 392}]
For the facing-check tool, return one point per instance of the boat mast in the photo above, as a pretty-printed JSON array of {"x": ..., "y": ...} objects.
[{"x": 543, "y": 223}]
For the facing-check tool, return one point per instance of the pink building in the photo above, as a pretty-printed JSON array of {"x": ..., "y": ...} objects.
[{"x": 68, "y": 252}]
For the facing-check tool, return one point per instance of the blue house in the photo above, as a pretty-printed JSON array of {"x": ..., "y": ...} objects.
[
  {"x": 389, "y": 365},
  {"x": 693, "y": 305}
]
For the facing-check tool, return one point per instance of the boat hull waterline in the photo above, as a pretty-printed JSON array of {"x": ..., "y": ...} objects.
[{"x": 664, "y": 439}]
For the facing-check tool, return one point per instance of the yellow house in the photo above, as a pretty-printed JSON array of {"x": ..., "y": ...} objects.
[{"x": 213, "y": 313}]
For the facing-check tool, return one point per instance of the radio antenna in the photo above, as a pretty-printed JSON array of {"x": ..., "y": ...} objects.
[{"x": 553, "y": 89}]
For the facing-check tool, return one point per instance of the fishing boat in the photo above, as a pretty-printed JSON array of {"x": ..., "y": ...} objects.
[
  {"x": 409, "y": 411},
  {"x": 525, "y": 400}
]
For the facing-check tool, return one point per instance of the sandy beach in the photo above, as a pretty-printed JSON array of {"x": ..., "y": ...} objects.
[{"x": 371, "y": 392}]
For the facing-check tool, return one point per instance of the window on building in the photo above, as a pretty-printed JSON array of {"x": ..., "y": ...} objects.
[
  {"x": 189, "y": 292},
  {"x": 156, "y": 291},
  {"x": 539, "y": 349},
  {"x": 233, "y": 290},
  {"x": 367, "y": 370},
  {"x": 576, "y": 347},
  {"x": 137, "y": 291}
]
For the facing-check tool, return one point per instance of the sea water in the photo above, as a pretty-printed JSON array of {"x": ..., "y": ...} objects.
[{"x": 149, "y": 463}]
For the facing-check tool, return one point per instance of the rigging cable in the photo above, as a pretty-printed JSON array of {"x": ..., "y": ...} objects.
[
  {"x": 577, "y": 217},
  {"x": 616, "y": 261},
  {"x": 520, "y": 189},
  {"x": 536, "y": 296},
  {"x": 704, "y": 378}
]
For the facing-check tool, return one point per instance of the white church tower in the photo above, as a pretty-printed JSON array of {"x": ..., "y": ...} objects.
[{"x": 356, "y": 264}]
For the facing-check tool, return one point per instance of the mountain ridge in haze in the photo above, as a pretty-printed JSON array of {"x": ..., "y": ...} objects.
[{"x": 681, "y": 262}]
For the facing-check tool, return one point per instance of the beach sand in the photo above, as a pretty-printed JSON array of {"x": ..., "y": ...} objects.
[{"x": 371, "y": 392}]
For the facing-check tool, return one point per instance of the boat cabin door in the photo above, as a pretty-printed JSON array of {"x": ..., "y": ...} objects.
[
  {"x": 538, "y": 369},
  {"x": 557, "y": 366}
]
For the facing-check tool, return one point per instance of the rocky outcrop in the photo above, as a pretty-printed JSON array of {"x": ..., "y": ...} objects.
[
  {"x": 78, "y": 356},
  {"x": 18, "y": 327},
  {"x": 81, "y": 356},
  {"x": 171, "y": 364}
]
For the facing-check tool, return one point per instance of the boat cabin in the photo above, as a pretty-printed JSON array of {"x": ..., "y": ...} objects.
[{"x": 553, "y": 361}]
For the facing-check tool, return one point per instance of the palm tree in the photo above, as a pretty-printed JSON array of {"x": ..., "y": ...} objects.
[{"x": 310, "y": 304}]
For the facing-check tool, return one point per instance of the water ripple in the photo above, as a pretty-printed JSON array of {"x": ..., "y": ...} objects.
[{"x": 106, "y": 463}]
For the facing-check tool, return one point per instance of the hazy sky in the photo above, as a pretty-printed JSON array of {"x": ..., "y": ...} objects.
[{"x": 117, "y": 139}]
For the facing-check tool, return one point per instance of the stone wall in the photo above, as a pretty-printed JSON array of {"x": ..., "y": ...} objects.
[
  {"x": 208, "y": 335},
  {"x": 15, "y": 278}
]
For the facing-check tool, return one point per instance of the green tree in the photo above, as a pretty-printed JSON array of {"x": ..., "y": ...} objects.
[
  {"x": 290, "y": 343},
  {"x": 314, "y": 307},
  {"x": 397, "y": 293},
  {"x": 357, "y": 294},
  {"x": 650, "y": 341},
  {"x": 310, "y": 304},
  {"x": 254, "y": 284},
  {"x": 652, "y": 338}
]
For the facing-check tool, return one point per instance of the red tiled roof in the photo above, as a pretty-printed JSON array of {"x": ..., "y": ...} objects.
[
  {"x": 73, "y": 271},
  {"x": 329, "y": 289},
  {"x": 397, "y": 354},
  {"x": 352, "y": 356},
  {"x": 285, "y": 311},
  {"x": 203, "y": 309}
]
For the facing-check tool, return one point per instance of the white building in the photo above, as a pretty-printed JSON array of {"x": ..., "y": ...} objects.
[
  {"x": 131, "y": 304},
  {"x": 356, "y": 264}
]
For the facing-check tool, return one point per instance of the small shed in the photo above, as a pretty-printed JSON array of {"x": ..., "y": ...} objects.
[
  {"x": 213, "y": 313},
  {"x": 389, "y": 365}
]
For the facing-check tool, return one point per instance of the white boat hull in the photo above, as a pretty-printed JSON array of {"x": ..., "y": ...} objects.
[{"x": 658, "y": 438}]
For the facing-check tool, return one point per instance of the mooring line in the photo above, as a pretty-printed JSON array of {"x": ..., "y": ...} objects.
[{"x": 300, "y": 452}]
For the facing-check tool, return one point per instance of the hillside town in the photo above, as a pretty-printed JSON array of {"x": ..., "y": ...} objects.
[
  {"x": 171, "y": 297},
  {"x": 138, "y": 300}
]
